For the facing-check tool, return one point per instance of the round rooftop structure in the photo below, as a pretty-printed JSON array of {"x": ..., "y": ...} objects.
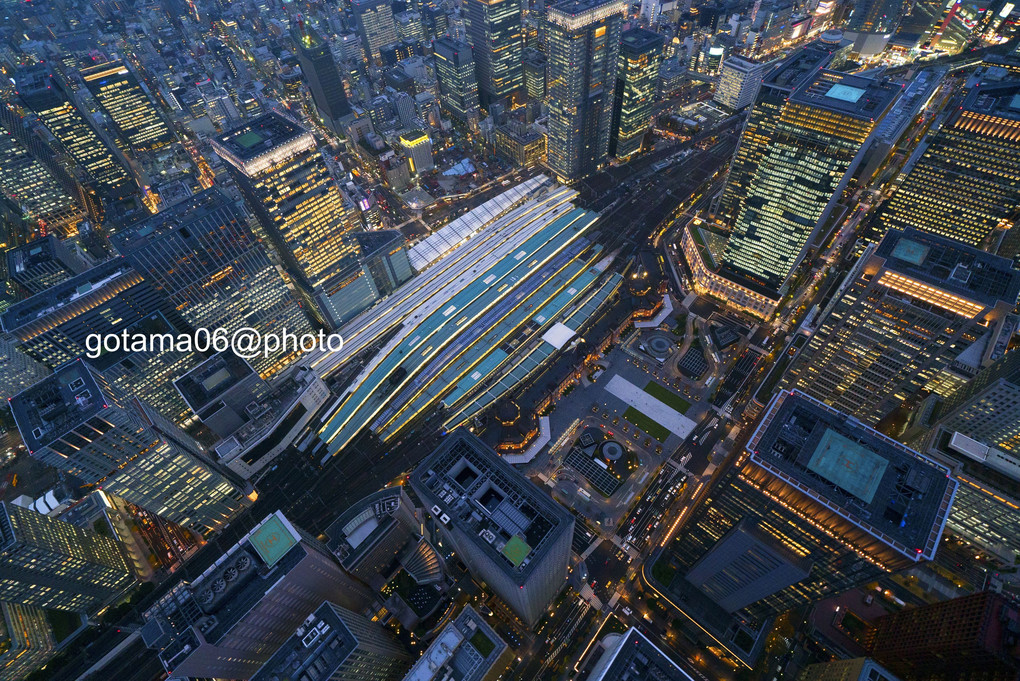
[{"x": 612, "y": 450}]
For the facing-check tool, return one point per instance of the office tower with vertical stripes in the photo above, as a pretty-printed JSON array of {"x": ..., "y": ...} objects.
[
  {"x": 375, "y": 25},
  {"x": 918, "y": 314},
  {"x": 289, "y": 188},
  {"x": 637, "y": 81},
  {"x": 50, "y": 97},
  {"x": 964, "y": 185},
  {"x": 138, "y": 122},
  {"x": 583, "y": 51},
  {"x": 322, "y": 76},
  {"x": 49, "y": 199},
  {"x": 203, "y": 256},
  {"x": 455, "y": 71},
  {"x": 49, "y": 563},
  {"x": 496, "y": 36},
  {"x": 76, "y": 422}
]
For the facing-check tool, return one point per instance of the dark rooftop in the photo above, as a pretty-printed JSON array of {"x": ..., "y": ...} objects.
[
  {"x": 211, "y": 379},
  {"x": 106, "y": 274},
  {"x": 319, "y": 646},
  {"x": 137, "y": 235},
  {"x": 641, "y": 40},
  {"x": 638, "y": 659},
  {"x": 57, "y": 404},
  {"x": 506, "y": 514},
  {"x": 890, "y": 491},
  {"x": 995, "y": 99},
  {"x": 791, "y": 73},
  {"x": 951, "y": 266}
]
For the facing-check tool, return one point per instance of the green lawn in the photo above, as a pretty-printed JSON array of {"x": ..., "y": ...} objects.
[
  {"x": 667, "y": 397},
  {"x": 646, "y": 424},
  {"x": 482, "y": 643}
]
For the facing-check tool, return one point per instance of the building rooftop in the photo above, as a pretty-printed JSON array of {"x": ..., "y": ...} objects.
[
  {"x": 847, "y": 94},
  {"x": 37, "y": 87},
  {"x": 466, "y": 484},
  {"x": 210, "y": 380},
  {"x": 892, "y": 492},
  {"x": 254, "y": 146},
  {"x": 36, "y": 253},
  {"x": 1001, "y": 100},
  {"x": 196, "y": 208},
  {"x": 115, "y": 274},
  {"x": 790, "y": 73},
  {"x": 63, "y": 400},
  {"x": 318, "y": 647},
  {"x": 465, "y": 650},
  {"x": 636, "y": 658},
  {"x": 641, "y": 40},
  {"x": 951, "y": 266},
  {"x": 574, "y": 14},
  {"x": 357, "y": 529}
]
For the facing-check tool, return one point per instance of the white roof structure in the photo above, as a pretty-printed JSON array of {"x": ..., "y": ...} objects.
[{"x": 452, "y": 235}]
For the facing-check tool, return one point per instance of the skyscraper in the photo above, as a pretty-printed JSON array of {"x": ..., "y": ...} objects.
[
  {"x": 970, "y": 638},
  {"x": 237, "y": 614},
  {"x": 49, "y": 563},
  {"x": 26, "y": 639},
  {"x": 467, "y": 649},
  {"x": 50, "y": 199},
  {"x": 75, "y": 422},
  {"x": 18, "y": 371},
  {"x": 335, "y": 644},
  {"x": 202, "y": 255},
  {"x": 418, "y": 147},
  {"x": 762, "y": 121},
  {"x": 455, "y": 71},
  {"x": 40, "y": 264},
  {"x": 637, "y": 81},
  {"x": 632, "y": 655},
  {"x": 964, "y": 184},
  {"x": 583, "y": 47},
  {"x": 816, "y": 504},
  {"x": 375, "y": 25},
  {"x": 496, "y": 37},
  {"x": 49, "y": 96},
  {"x": 976, "y": 432},
  {"x": 821, "y": 134},
  {"x": 509, "y": 533},
  {"x": 919, "y": 313},
  {"x": 288, "y": 187},
  {"x": 739, "y": 82},
  {"x": 322, "y": 75},
  {"x": 122, "y": 98}
]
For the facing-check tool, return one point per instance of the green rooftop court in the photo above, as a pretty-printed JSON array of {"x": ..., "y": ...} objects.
[{"x": 516, "y": 550}]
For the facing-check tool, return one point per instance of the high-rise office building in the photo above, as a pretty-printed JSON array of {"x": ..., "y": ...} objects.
[
  {"x": 237, "y": 614},
  {"x": 583, "y": 50},
  {"x": 375, "y": 25},
  {"x": 521, "y": 144},
  {"x": 637, "y": 81},
  {"x": 467, "y": 649},
  {"x": 455, "y": 71},
  {"x": 26, "y": 639},
  {"x": 40, "y": 264},
  {"x": 289, "y": 188},
  {"x": 126, "y": 103},
  {"x": 18, "y": 371},
  {"x": 49, "y": 96},
  {"x": 49, "y": 199},
  {"x": 335, "y": 644},
  {"x": 964, "y": 184},
  {"x": 817, "y": 504},
  {"x": 970, "y": 638},
  {"x": 49, "y": 563},
  {"x": 202, "y": 255},
  {"x": 418, "y": 147},
  {"x": 740, "y": 80},
  {"x": 919, "y": 313},
  {"x": 508, "y": 532},
  {"x": 821, "y": 134},
  {"x": 57, "y": 326},
  {"x": 322, "y": 75},
  {"x": 632, "y": 655},
  {"x": 762, "y": 121},
  {"x": 857, "y": 669},
  {"x": 76, "y": 422},
  {"x": 496, "y": 36},
  {"x": 534, "y": 74},
  {"x": 976, "y": 431}
]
